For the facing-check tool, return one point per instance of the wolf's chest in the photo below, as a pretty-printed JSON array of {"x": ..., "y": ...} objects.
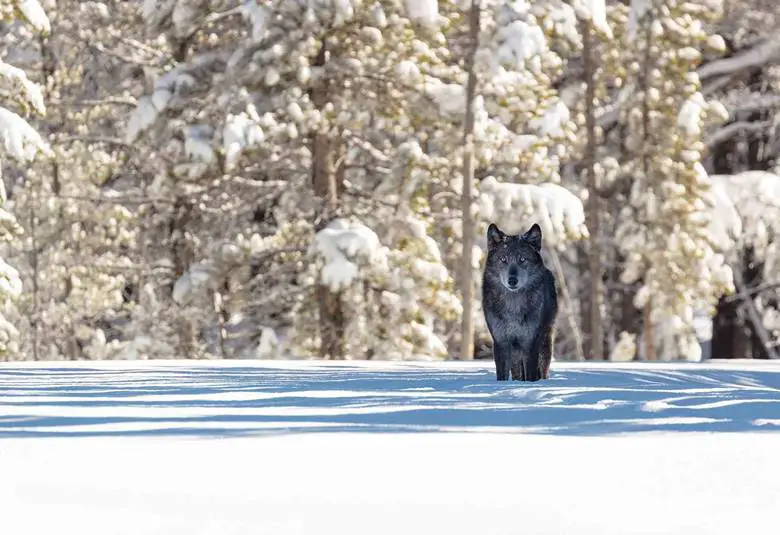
[
  {"x": 519, "y": 304},
  {"x": 512, "y": 317}
]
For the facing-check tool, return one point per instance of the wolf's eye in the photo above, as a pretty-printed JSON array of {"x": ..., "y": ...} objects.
[{"x": 503, "y": 260}]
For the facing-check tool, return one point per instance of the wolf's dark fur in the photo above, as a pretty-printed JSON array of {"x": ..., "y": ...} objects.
[{"x": 520, "y": 304}]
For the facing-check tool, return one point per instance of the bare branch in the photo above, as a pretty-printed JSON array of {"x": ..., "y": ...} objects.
[
  {"x": 715, "y": 85},
  {"x": 133, "y": 61},
  {"x": 96, "y": 139},
  {"x": 748, "y": 293},
  {"x": 140, "y": 46},
  {"x": 760, "y": 102},
  {"x": 762, "y": 54},
  {"x": 733, "y": 129},
  {"x": 755, "y": 317},
  {"x": 116, "y": 200},
  {"x": 116, "y": 101}
]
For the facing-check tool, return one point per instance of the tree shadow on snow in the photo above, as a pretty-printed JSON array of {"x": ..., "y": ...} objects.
[{"x": 217, "y": 401}]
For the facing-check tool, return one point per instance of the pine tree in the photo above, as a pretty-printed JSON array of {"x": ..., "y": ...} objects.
[
  {"x": 20, "y": 143},
  {"x": 301, "y": 110},
  {"x": 664, "y": 230},
  {"x": 80, "y": 205}
]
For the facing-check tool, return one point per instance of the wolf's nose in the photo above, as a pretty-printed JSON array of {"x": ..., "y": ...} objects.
[{"x": 512, "y": 281}]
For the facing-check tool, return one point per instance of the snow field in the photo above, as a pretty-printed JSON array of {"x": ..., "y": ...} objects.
[{"x": 294, "y": 447}]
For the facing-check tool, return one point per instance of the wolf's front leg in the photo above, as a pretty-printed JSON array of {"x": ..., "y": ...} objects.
[
  {"x": 532, "y": 365},
  {"x": 546, "y": 353},
  {"x": 518, "y": 368},
  {"x": 525, "y": 365},
  {"x": 522, "y": 361},
  {"x": 502, "y": 355}
]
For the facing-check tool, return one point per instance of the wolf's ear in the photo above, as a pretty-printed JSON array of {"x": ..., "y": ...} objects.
[
  {"x": 494, "y": 236},
  {"x": 534, "y": 237}
]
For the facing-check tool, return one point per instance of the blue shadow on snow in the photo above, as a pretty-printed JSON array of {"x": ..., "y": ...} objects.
[{"x": 234, "y": 401}]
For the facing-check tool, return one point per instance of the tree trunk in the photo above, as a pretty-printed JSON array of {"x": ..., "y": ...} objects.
[
  {"x": 48, "y": 69},
  {"x": 585, "y": 296},
  {"x": 182, "y": 259},
  {"x": 595, "y": 328},
  {"x": 647, "y": 329},
  {"x": 325, "y": 182},
  {"x": 468, "y": 230},
  {"x": 726, "y": 330},
  {"x": 35, "y": 316},
  {"x": 648, "y": 333}
]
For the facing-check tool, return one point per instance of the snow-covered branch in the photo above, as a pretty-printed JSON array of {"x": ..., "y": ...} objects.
[
  {"x": 30, "y": 90},
  {"x": 514, "y": 207},
  {"x": 345, "y": 247},
  {"x": 33, "y": 13},
  {"x": 18, "y": 139}
]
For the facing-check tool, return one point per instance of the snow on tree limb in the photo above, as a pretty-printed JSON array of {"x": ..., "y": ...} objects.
[
  {"x": 423, "y": 11},
  {"x": 563, "y": 21},
  {"x": 20, "y": 141},
  {"x": 594, "y": 11},
  {"x": 345, "y": 247},
  {"x": 519, "y": 41},
  {"x": 34, "y": 14},
  {"x": 10, "y": 282},
  {"x": 9, "y": 226},
  {"x": 514, "y": 207},
  {"x": 746, "y": 209},
  {"x": 240, "y": 131},
  {"x": 552, "y": 123},
  {"x": 638, "y": 9},
  {"x": 31, "y": 91}
]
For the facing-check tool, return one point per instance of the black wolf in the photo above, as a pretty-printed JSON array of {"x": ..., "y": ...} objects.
[{"x": 520, "y": 303}]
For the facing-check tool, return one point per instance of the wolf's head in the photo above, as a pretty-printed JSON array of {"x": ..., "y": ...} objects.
[{"x": 515, "y": 261}]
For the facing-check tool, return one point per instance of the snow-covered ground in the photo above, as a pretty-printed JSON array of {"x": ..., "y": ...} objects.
[{"x": 287, "y": 447}]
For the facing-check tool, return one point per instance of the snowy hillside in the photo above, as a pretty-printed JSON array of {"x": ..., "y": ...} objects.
[{"x": 182, "y": 447}]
